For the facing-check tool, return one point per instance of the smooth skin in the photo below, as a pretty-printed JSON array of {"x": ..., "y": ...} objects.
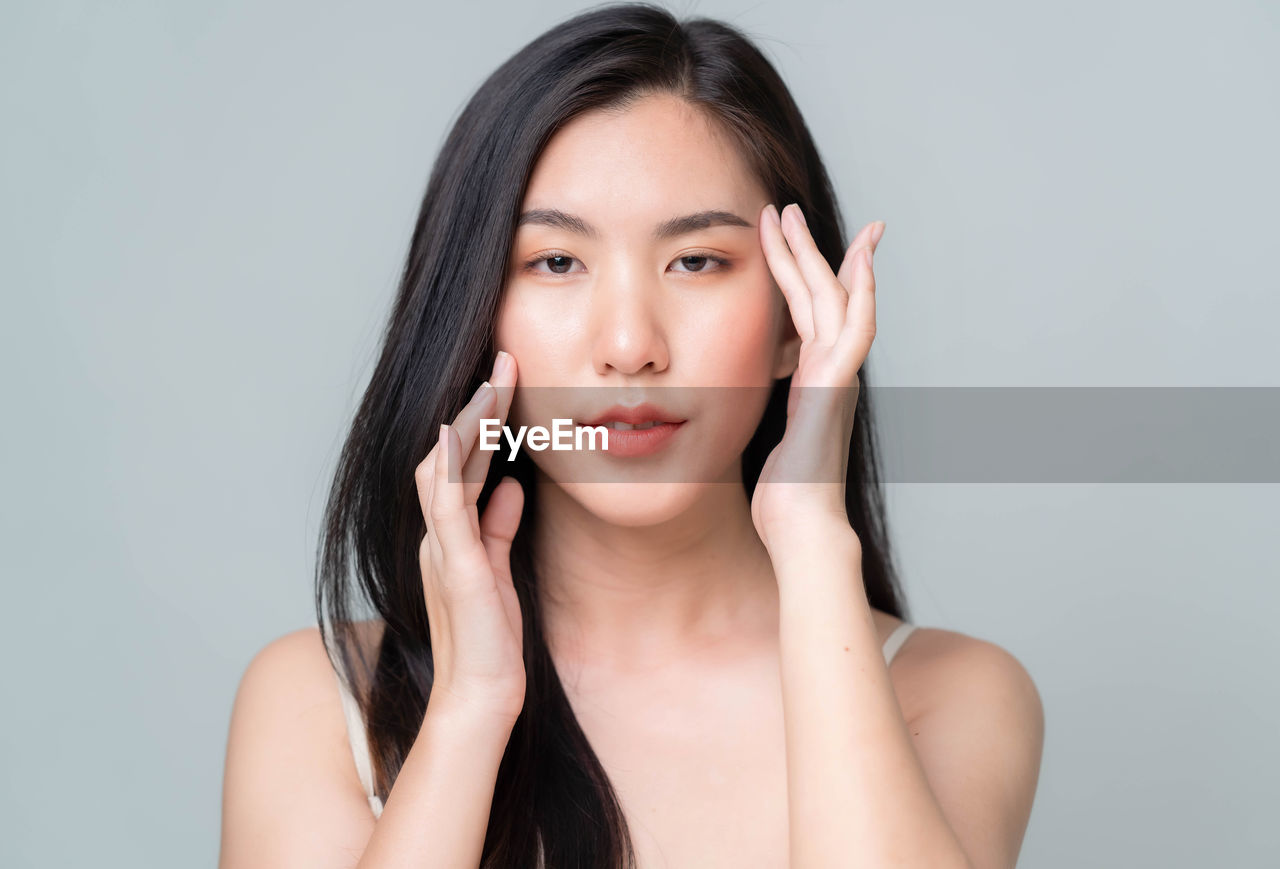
[{"x": 719, "y": 654}]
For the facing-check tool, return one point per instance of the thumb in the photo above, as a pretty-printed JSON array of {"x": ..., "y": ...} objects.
[{"x": 499, "y": 523}]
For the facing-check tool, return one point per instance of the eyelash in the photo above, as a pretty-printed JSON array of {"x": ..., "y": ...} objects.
[{"x": 529, "y": 265}]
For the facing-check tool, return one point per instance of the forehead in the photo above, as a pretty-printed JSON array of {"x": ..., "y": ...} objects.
[{"x": 659, "y": 157}]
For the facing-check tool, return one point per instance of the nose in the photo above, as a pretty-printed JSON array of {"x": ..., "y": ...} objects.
[{"x": 627, "y": 329}]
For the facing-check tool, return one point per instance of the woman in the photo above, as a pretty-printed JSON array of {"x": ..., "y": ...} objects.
[{"x": 677, "y": 654}]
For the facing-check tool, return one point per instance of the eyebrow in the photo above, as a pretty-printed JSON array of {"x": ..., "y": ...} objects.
[{"x": 676, "y": 226}]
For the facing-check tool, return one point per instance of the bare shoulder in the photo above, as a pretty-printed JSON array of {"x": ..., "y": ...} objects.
[
  {"x": 291, "y": 794},
  {"x": 940, "y": 667},
  {"x": 977, "y": 723}
]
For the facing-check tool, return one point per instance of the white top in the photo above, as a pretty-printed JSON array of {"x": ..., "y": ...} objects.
[{"x": 359, "y": 738}]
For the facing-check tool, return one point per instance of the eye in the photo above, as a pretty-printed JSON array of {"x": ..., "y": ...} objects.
[
  {"x": 697, "y": 263},
  {"x": 558, "y": 263}
]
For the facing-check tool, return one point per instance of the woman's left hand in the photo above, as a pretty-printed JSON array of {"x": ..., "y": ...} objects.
[{"x": 802, "y": 484}]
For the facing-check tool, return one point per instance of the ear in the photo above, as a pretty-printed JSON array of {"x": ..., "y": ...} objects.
[{"x": 788, "y": 355}]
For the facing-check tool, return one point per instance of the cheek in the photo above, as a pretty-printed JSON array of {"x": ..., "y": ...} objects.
[
  {"x": 737, "y": 339},
  {"x": 536, "y": 327},
  {"x": 726, "y": 338},
  {"x": 737, "y": 348},
  {"x": 516, "y": 331},
  {"x": 510, "y": 327},
  {"x": 530, "y": 326}
]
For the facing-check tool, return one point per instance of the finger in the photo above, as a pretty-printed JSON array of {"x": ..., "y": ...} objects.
[
  {"x": 429, "y": 556},
  {"x": 476, "y": 469},
  {"x": 500, "y": 522},
  {"x": 830, "y": 298},
  {"x": 786, "y": 273},
  {"x": 426, "y": 494},
  {"x": 860, "y": 323},
  {"x": 482, "y": 406},
  {"x": 437, "y": 611},
  {"x": 876, "y": 234},
  {"x": 865, "y": 238},
  {"x": 498, "y": 528},
  {"x": 862, "y": 296},
  {"x": 423, "y": 477},
  {"x": 480, "y": 412},
  {"x": 452, "y": 518},
  {"x": 466, "y": 425}
]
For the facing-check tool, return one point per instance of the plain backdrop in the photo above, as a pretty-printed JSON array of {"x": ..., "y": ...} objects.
[{"x": 205, "y": 210}]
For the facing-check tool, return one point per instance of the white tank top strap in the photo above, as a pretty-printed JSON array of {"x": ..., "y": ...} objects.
[
  {"x": 895, "y": 640},
  {"x": 358, "y": 738}
]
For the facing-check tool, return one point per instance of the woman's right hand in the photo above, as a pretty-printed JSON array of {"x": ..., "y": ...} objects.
[{"x": 477, "y": 637}]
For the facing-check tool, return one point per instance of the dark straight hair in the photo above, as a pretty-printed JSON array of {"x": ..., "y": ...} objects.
[{"x": 551, "y": 793}]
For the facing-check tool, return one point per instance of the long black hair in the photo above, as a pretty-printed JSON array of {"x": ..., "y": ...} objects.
[{"x": 551, "y": 792}]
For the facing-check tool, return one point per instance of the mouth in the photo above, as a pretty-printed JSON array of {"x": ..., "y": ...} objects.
[
  {"x": 639, "y": 418},
  {"x": 636, "y": 431},
  {"x": 618, "y": 425}
]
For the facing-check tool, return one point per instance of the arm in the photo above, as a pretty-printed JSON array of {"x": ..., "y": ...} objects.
[
  {"x": 438, "y": 810},
  {"x": 860, "y": 793},
  {"x": 291, "y": 797},
  {"x": 856, "y": 791}
]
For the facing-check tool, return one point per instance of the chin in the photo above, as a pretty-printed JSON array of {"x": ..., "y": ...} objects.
[{"x": 634, "y": 505}]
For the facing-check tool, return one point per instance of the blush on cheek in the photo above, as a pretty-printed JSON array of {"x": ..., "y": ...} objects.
[
  {"x": 741, "y": 346},
  {"x": 540, "y": 331}
]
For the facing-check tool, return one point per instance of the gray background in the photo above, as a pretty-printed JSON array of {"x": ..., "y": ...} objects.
[{"x": 205, "y": 208}]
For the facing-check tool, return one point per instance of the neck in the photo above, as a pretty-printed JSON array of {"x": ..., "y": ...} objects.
[{"x": 631, "y": 599}]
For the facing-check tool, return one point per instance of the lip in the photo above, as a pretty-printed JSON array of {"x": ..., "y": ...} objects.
[
  {"x": 641, "y": 442},
  {"x": 641, "y": 413},
  {"x": 633, "y": 442}
]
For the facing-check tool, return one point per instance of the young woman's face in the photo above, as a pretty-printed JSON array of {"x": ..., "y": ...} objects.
[{"x": 611, "y": 302}]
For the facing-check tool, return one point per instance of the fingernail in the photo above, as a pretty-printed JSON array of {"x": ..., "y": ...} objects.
[
  {"x": 502, "y": 365},
  {"x": 773, "y": 215},
  {"x": 481, "y": 392},
  {"x": 800, "y": 214},
  {"x": 877, "y": 232}
]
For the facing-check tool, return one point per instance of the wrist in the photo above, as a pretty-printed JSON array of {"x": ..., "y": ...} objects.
[
  {"x": 449, "y": 713},
  {"x": 812, "y": 534},
  {"x": 819, "y": 559}
]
